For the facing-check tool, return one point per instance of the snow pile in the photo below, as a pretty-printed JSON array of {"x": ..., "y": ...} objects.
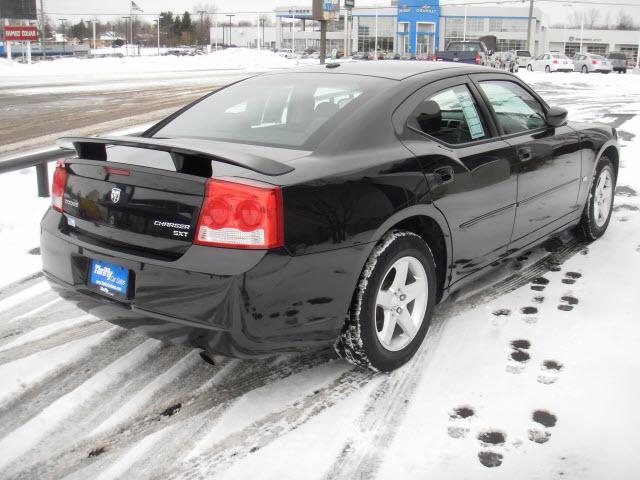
[{"x": 232, "y": 58}]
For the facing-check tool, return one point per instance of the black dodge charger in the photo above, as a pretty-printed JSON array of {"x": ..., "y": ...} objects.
[{"x": 329, "y": 206}]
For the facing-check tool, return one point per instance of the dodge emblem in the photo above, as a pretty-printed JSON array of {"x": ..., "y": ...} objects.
[{"x": 115, "y": 194}]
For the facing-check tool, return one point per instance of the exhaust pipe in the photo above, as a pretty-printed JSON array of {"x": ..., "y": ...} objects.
[{"x": 212, "y": 359}]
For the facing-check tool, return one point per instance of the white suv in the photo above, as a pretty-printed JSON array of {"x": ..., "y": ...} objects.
[{"x": 523, "y": 58}]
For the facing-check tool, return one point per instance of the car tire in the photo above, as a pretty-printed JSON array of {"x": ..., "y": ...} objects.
[
  {"x": 585, "y": 69},
  {"x": 547, "y": 69},
  {"x": 373, "y": 335},
  {"x": 624, "y": 71},
  {"x": 530, "y": 67},
  {"x": 597, "y": 212}
]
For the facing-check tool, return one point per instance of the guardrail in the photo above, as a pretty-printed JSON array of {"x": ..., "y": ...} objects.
[{"x": 40, "y": 160}]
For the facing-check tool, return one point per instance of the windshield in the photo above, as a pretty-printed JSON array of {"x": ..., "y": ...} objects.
[
  {"x": 291, "y": 111},
  {"x": 523, "y": 53}
]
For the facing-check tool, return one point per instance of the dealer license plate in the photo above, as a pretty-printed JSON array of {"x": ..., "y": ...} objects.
[{"x": 109, "y": 279}]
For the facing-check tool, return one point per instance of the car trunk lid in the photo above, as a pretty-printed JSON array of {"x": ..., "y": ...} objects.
[{"x": 144, "y": 196}]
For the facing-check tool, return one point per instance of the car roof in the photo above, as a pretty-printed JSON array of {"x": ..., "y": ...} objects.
[{"x": 392, "y": 69}]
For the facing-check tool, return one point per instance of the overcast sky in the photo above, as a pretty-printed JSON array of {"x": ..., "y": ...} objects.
[{"x": 556, "y": 12}]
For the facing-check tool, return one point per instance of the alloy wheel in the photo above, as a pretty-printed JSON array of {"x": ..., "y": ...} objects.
[
  {"x": 401, "y": 303},
  {"x": 602, "y": 197}
]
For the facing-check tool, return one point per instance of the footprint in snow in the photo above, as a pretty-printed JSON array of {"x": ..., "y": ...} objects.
[
  {"x": 460, "y": 418},
  {"x": 571, "y": 277},
  {"x": 543, "y": 420},
  {"x": 538, "y": 298},
  {"x": 490, "y": 459},
  {"x": 491, "y": 438},
  {"x": 518, "y": 356},
  {"x": 550, "y": 370},
  {"x": 529, "y": 314},
  {"x": 539, "y": 284},
  {"x": 568, "y": 304}
]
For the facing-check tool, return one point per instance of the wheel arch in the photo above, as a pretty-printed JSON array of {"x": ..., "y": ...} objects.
[
  {"x": 429, "y": 223},
  {"x": 613, "y": 154}
]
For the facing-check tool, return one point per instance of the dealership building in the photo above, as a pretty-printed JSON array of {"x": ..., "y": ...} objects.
[{"x": 420, "y": 28}]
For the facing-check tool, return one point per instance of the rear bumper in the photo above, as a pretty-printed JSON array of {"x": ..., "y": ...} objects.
[{"x": 238, "y": 303}]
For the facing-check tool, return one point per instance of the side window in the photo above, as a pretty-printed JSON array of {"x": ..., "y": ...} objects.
[
  {"x": 451, "y": 116},
  {"x": 517, "y": 110}
]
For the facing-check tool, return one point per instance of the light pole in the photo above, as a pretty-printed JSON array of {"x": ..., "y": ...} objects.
[
  {"x": 529, "y": 26},
  {"x": 42, "y": 30},
  {"x": 126, "y": 43},
  {"x": 230, "y": 15},
  {"x": 64, "y": 37},
  {"x": 157, "y": 20}
]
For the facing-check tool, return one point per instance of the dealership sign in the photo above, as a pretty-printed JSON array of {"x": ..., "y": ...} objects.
[
  {"x": 326, "y": 9},
  {"x": 21, "y": 34},
  {"x": 349, "y": 3}
]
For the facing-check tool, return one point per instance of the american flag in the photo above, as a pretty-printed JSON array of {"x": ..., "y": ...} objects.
[{"x": 135, "y": 7}]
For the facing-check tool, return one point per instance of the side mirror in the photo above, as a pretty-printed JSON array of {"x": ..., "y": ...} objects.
[{"x": 557, "y": 116}]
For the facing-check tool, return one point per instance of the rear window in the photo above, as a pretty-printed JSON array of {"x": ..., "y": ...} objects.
[
  {"x": 617, "y": 56},
  {"x": 290, "y": 111},
  {"x": 523, "y": 53},
  {"x": 464, "y": 47},
  {"x": 597, "y": 57}
]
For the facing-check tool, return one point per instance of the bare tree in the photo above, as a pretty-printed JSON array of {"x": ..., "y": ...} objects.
[
  {"x": 591, "y": 18},
  {"x": 625, "y": 21},
  {"x": 202, "y": 16}
]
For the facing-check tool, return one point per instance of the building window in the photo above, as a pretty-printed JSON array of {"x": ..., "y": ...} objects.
[
  {"x": 507, "y": 44},
  {"x": 630, "y": 51},
  {"x": 403, "y": 27},
  {"x": 600, "y": 49},
  {"x": 508, "y": 25},
  {"x": 367, "y": 33},
  {"x": 454, "y": 27}
]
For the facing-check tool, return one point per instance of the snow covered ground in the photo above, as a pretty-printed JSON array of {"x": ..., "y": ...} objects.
[{"x": 530, "y": 374}]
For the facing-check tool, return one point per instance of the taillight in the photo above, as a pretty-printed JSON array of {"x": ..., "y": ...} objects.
[
  {"x": 241, "y": 215},
  {"x": 478, "y": 59},
  {"x": 555, "y": 61},
  {"x": 59, "y": 182},
  {"x": 593, "y": 62}
]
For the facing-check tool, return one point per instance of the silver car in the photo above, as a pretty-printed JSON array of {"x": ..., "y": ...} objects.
[{"x": 591, "y": 62}]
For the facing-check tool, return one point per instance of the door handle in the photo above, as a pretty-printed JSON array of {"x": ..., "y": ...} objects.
[
  {"x": 524, "y": 154},
  {"x": 443, "y": 175}
]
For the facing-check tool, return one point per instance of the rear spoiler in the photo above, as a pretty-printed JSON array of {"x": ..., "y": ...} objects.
[{"x": 95, "y": 148}]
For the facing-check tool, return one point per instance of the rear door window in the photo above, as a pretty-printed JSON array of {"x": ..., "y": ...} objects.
[{"x": 451, "y": 116}]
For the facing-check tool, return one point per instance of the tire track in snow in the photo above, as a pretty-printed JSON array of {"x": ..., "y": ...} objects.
[
  {"x": 28, "y": 435},
  {"x": 48, "y": 330},
  {"x": 54, "y": 340},
  {"x": 18, "y": 376},
  {"x": 14, "y": 300},
  {"x": 269, "y": 428},
  {"x": 198, "y": 405},
  {"x": 143, "y": 396}
]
